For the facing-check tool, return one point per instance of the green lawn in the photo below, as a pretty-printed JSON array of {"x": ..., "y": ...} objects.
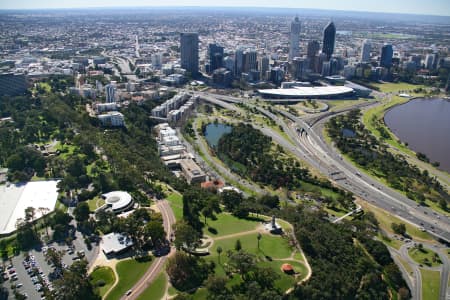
[
  {"x": 176, "y": 203},
  {"x": 95, "y": 203},
  {"x": 430, "y": 284},
  {"x": 102, "y": 273},
  {"x": 390, "y": 87},
  {"x": 420, "y": 255},
  {"x": 129, "y": 271},
  {"x": 156, "y": 290},
  {"x": 226, "y": 224},
  {"x": 269, "y": 245},
  {"x": 286, "y": 281}
]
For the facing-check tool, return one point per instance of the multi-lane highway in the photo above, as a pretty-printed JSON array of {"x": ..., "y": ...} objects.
[{"x": 310, "y": 146}]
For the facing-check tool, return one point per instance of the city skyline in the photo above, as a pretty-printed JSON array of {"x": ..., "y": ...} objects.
[{"x": 434, "y": 7}]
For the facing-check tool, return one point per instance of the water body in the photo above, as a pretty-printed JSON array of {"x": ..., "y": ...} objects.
[
  {"x": 425, "y": 125},
  {"x": 348, "y": 133},
  {"x": 213, "y": 132}
]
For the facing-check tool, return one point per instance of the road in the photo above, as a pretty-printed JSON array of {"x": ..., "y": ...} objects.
[
  {"x": 158, "y": 264},
  {"x": 312, "y": 148}
]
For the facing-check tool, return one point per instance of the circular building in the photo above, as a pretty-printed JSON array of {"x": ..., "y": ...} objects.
[{"x": 119, "y": 201}]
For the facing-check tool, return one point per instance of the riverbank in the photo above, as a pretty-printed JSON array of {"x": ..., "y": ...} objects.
[{"x": 373, "y": 120}]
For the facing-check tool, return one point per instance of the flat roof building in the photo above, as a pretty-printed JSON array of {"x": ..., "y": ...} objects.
[
  {"x": 191, "y": 171},
  {"x": 115, "y": 243}
]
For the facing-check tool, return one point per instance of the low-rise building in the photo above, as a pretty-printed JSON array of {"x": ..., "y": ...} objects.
[
  {"x": 115, "y": 243},
  {"x": 191, "y": 171}
]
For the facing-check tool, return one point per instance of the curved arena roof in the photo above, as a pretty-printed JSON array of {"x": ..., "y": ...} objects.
[
  {"x": 118, "y": 200},
  {"x": 307, "y": 92}
]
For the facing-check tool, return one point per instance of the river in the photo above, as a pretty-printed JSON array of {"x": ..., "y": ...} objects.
[{"x": 425, "y": 125}]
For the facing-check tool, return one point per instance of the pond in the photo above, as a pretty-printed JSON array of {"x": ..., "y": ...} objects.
[
  {"x": 214, "y": 131},
  {"x": 425, "y": 125}
]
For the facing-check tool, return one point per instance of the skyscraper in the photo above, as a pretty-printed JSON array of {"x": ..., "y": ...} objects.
[
  {"x": 110, "y": 93},
  {"x": 239, "y": 61},
  {"x": 365, "y": 51},
  {"x": 250, "y": 61},
  {"x": 215, "y": 53},
  {"x": 264, "y": 63},
  {"x": 386, "y": 56},
  {"x": 189, "y": 52},
  {"x": 294, "y": 39},
  {"x": 329, "y": 36},
  {"x": 312, "y": 51}
]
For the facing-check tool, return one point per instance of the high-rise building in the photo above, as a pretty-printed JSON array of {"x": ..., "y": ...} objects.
[
  {"x": 264, "y": 63},
  {"x": 329, "y": 37},
  {"x": 13, "y": 84},
  {"x": 110, "y": 90},
  {"x": 294, "y": 39},
  {"x": 250, "y": 61},
  {"x": 311, "y": 53},
  {"x": 157, "y": 60},
  {"x": 228, "y": 62},
  {"x": 189, "y": 52},
  {"x": 299, "y": 67},
  {"x": 386, "y": 56},
  {"x": 215, "y": 55},
  {"x": 429, "y": 61},
  {"x": 239, "y": 62},
  {"x": 365, "y": 51}
]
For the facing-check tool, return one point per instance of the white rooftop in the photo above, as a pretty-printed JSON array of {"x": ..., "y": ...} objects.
[
  {"x": 117, "y": 199},
  {"x": 115, "y": 242},
  {"x": 15, "y": 198},
  {"x": 308, "y": 91}
]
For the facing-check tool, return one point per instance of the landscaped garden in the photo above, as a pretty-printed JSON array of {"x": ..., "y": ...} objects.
[
  {"x": 424, "y": 256},
  {"x": 129, "y": 272},
  {"x": 102, "y": 278}
]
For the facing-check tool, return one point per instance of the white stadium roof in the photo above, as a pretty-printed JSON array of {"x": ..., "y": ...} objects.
[
  {"x": 298, "y": 92},
  {"x": 15, "y": 198}
]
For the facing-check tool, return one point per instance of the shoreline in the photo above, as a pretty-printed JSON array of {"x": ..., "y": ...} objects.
[{"x": 422, "y": 98}]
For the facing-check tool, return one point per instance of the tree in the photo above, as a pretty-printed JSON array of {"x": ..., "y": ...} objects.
[
  {"x": 155, "y": 231},
  {"x": 231, "y": 199},
  {"x": 217, "y": 288},
  {"x": 186, "y": 272},
  {"x": 238, "y": 245},
  {"x": 399, "y": 228},
  {"x": 186, "y": 236},
  {"x": 219, "y": 251},
  {"x": 26, "y": 236},
  {"x": 54, "y": 257},
  {"x": 75, "y": 284},
  {"x": 258, "y": 237},
  {"x": 242, "y": 261},
  {"x": 81, "y": 212}
]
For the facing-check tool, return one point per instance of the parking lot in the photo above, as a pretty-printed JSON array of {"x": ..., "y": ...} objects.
[{"x": 18, "y": 273}]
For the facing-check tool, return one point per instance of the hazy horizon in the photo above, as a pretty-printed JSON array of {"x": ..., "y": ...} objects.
[{"x": 415, "y": 7}]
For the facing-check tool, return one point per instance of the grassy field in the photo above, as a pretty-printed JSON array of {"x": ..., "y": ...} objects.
[
  {"x": 430, "y": 284},
  {"x": 391, "y": 87},
  {"x": 156, "y": 290},
  {"x": 176, "y": 203},
  {"x": 95, "y": 203},
  {"x": 386, "y": 219},
  {"x": 419, "y": 255},
  {"x": 129, "y": 271},
  {"x": 226, "y": 224},
  {"x": 105, "y": 274},
  {"x": 269, "y": 245}
]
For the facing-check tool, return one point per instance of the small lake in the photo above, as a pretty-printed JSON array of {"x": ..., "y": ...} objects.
[
  {"x": 425, "y": 125},
  {"x": 213, "y": 132}
]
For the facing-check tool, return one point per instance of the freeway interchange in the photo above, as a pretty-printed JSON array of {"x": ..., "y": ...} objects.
[{"x": 311, "y": 147}]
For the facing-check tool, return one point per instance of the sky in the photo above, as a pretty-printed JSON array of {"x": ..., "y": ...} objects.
[{"x": 429, "y": 7}]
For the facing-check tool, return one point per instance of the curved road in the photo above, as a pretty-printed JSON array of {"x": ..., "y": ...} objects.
[{"x": 158, "y": 264}]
